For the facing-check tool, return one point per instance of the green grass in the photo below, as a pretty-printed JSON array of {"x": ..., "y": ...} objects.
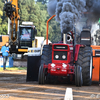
[{"x": 15, "y": 68}]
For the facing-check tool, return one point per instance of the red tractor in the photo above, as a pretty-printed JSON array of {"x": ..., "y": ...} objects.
[{"x": 67, "y": 59}]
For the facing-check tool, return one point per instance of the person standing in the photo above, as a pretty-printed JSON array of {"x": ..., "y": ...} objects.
[{"x": 5, "y": 53}]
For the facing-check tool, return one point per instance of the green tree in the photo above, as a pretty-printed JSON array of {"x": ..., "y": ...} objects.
[
  {"x": 3, "y": 20},
  {"x": 36, "y": 13},
  {"x": 43, "y": 1},
  {"x": 1, "y": 14}
]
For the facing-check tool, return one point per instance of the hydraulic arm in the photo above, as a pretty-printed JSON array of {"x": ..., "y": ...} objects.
[{"x": 11, "y": 9}]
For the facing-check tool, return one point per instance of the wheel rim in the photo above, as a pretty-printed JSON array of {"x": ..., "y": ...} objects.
[{"x": 91, "y": 68}]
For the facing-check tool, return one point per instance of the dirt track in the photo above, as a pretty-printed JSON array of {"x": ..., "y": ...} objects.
[{"x": 13, "y": 86}]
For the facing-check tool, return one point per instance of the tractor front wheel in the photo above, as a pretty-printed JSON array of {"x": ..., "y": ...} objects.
[
  {"x": 41, "y": 76},
  {"x": 45, "y": 59},
  {"x": 78, "y": 76}
]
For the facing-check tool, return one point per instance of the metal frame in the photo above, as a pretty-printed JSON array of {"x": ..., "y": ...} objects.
[{"x": 48, "y": 28}]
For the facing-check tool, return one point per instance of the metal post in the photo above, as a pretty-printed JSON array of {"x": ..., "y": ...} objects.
[
  {"x": 99, "y": 25},
  {"x": 64, "y": 38},
  {"x": 48, "y": 28},
  {"x": 18, "y": 30},
  {"x": 14, "y": 28},
  {"x": 8, "y": 26}
]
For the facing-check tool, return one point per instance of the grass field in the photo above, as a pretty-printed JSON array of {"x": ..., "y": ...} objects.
[{"x": 15, "y": 68}]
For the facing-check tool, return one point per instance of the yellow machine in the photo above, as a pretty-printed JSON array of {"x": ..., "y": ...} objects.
[
  {"x": 21, "y": 37},
  {"x": 3, "y": 40}
]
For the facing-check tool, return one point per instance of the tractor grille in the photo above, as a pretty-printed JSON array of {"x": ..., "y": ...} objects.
[
  {"x": 60, "y": 47},
  {"x": 60, "y": 55}
]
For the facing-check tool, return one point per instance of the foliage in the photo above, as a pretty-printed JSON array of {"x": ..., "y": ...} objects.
[
  {"x": 43, "y": 1},
  {"x": 35, "y": 12},
  {"x": 3, "y": 23}
]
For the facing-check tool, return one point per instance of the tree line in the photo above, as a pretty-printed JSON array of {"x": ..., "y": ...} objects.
[{"x": 36, "y": 12}]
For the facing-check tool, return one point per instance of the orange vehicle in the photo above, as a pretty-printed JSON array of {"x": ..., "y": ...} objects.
[
  {"x": 3, "y": 40},
  {"x": 96, "y": 56},
  {"x": 96, "y": 63}
]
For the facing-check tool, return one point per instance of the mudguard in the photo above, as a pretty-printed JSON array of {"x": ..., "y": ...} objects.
[{"x": 77, "y": 47}]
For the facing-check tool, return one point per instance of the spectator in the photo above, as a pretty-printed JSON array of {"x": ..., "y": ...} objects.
[{"x": 5, "y": 53}]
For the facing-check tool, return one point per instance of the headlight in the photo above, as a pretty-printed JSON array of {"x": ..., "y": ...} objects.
[
  {"x": 63, "y": 57},
  {"x": 60, "y": 55},
  {"x": 56, "y": 56}
]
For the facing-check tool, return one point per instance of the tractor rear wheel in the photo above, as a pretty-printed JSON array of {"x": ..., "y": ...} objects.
[
  {"x": 45, "y": 59},
  {"x": 85, "y": 61}
]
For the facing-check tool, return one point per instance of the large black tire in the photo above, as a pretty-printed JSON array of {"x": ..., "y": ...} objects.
[
  {"x": 85, "y": 61},
  {"x": 78, "y": 76},
  {"x": 41, "y": 76},
  {"x": 45, "y": 59}
]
